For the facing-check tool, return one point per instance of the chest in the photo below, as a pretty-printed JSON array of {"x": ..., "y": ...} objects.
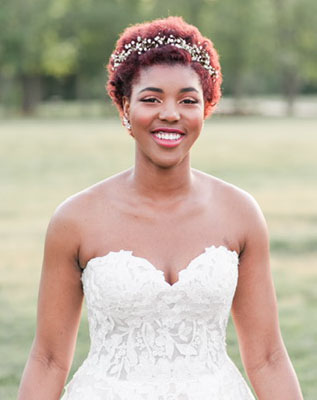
[{"x": 168, "y": 239}]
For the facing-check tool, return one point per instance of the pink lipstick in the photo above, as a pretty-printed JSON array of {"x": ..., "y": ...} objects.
[{"x": 168, "y": 137}]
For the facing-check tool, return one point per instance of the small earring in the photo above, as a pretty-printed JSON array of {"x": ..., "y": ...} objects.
[{"x": 126, "y": 122}]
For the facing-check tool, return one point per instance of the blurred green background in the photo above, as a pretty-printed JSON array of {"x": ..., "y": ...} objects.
[
  {"x": 59, "y": 134},
  {"x": 54, "y": 51}
]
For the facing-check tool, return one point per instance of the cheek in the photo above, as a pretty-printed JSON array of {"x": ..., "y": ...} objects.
[
  {"x": 141, "y": 117},
  {"x": 197, "y": 121}
]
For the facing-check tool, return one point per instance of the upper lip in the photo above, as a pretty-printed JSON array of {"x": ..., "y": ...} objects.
[{"x": 168, "y": 130}]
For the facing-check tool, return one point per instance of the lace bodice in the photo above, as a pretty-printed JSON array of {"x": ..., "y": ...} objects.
[{"x": 152, "y": 340}]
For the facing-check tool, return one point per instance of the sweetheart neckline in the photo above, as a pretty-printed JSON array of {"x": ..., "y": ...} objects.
[{"x": 158, "y": 270}]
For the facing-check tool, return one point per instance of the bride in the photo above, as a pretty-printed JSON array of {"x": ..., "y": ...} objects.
[{"x": 162, "y": 252}]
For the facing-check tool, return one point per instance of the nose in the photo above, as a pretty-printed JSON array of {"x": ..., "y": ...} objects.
[{"x": 169, "y": 112}]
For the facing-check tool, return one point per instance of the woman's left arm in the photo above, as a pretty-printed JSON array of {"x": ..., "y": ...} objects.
[{"x": 255, "y": 315}]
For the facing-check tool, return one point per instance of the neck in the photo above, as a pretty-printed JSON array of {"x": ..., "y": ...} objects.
[{"x": 154, "y": 182}]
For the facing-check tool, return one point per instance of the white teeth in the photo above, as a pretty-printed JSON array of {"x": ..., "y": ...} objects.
[{"x": 167, "y": 136}]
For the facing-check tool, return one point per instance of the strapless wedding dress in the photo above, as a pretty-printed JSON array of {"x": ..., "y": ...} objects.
[{"x": 154, "y": 341}]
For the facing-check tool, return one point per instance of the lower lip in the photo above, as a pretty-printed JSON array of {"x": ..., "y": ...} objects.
[{"x": 168, "y": 142}]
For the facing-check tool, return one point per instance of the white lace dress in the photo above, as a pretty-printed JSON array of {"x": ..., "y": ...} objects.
[{"x": 154, "y": 341}]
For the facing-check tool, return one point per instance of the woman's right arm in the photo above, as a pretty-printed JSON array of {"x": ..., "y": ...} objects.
[{"x": 59, "y": 310}]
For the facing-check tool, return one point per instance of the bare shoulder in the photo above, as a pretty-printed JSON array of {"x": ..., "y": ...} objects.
[
  {"x": 241, "y": 208},
  {"x": 63, "y": 235},
  {"x": 70, "y": 214},
  {"x": 237, "y": 198},
  {"x": 71, "y": 218},
  {"x": 76, "y": 208}
]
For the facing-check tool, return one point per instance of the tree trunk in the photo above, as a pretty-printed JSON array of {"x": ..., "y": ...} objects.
[
  {"x": 290, "y": 82},
  {"x": 1, "y": 87},
  {"x": 238, "y": 93},
  {"x": 31, "y": 92}
]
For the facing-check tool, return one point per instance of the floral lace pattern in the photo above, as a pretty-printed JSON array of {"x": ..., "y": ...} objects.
[{"x": 154, "y": 341}]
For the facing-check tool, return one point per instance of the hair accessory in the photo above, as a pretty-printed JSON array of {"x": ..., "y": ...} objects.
[
  {"x": 126, "y": 122},
  {"x": 197, "y": 52}
]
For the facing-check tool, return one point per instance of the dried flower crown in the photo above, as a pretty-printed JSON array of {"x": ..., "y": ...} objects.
[{"x": 197, "y": 52}]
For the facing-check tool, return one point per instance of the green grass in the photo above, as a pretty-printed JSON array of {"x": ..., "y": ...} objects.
[{"x": 43, "y": 162}]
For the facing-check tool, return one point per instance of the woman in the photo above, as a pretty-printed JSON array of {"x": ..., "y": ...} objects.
[{"x": 158, "y": 303}]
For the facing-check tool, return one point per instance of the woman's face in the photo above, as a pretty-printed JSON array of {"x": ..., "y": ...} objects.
[{"x": 166, "y": 113}]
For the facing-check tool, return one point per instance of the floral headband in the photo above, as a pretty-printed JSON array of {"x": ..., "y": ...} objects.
[{"x": 197, "y": 53}]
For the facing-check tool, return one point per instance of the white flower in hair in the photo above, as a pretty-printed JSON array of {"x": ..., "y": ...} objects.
[{"x": 197, "y": 52}]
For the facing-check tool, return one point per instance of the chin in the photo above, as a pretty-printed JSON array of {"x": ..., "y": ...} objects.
[{"x": 168, "y": 162}]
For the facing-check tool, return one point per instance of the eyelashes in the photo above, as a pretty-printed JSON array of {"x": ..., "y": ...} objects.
[
  {"x": 153, "y": 100},
  {"x": 190, "y": 101},
  {"x": 149, "y": 100}
]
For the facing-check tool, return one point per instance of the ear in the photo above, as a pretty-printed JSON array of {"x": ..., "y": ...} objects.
[{"x": 126, "y": 106}]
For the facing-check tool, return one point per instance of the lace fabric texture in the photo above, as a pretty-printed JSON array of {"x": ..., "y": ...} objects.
[{"x": 154, "y": 341}]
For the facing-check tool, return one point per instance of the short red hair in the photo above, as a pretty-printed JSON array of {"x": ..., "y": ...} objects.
[{"x": 121, "y": 78}]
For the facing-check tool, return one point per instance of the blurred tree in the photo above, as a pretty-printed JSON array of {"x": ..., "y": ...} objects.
[
  {"x": 239, "y": 31},
  {"x": 60, "y": 38},
  {"x": 265, "y": 45},
  {"x": 242, "y": 34},
  {"x": 96, "y": 25},
  {"x": 33, "y": 44},
  {"x": 190, "y": 10},
  {"x": 296, "y": 55}
]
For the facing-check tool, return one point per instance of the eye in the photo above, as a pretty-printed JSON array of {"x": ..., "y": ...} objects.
[
  {"x": 189, "y": 101},
  {"x": 149, "y": 100}
]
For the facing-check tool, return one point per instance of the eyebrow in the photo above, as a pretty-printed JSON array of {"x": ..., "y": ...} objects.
[
  {"x": 158, "y": 90},
  {"x": 188, "y": 89}
]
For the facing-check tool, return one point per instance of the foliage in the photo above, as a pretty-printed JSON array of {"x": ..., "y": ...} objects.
[{"x": 265, "y": 45}]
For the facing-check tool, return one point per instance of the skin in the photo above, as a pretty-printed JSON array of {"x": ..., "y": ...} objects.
[{"x": 166, "y": 212}]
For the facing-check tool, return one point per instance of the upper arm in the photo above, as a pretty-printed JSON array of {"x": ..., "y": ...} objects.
[
  {"x": 60, "y": 294},
  {"x": 254, "y": 307}
]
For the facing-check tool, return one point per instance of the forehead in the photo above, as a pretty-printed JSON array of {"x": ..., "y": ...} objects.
[{"x": 167, "y": 76}]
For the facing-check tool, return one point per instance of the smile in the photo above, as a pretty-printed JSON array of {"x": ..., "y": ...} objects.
[{"x": 168, "y": 137}]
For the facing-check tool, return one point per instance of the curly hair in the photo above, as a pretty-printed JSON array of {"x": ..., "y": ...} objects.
[{"x": 120, "y": 79}]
